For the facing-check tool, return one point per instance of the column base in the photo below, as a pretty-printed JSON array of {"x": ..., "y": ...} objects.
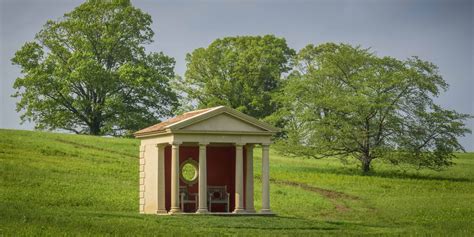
[
  {"x": 175, "y": 211},
  {"x": 237, "y": 211},
  {"x": 250, "y": 211},
  {"x": 266, "y": 211},
  {"x": 162, "y": 212},
  {"x": 202, "y": 211}
]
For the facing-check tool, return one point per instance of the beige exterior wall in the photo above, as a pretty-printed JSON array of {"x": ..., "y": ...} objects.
[
  {"x": 150, "y": 176},
  {"x": 157, "y": 139},
  {"x": 142, "y": 179},
  {"x": 149, "y": 173}
]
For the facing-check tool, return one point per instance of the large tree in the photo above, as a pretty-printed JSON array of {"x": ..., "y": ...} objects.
[
  {"x": 88, "y": 72},
  {"x": 344, "y": 101},
  {"x": 241, "y": 72}
]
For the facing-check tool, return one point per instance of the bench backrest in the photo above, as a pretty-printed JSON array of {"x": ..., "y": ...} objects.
[
  {"x": 183, "y": 190},
  {"x": 217, "y": 192}
]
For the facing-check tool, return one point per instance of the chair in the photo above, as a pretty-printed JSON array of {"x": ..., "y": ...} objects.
[
  {"x": 218, "y": 195},
  {"x": 185, "y": 197}
]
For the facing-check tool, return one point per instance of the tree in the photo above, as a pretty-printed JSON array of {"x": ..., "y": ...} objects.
[
  {"x": 240, "y": 72},
  {"x": 88, "y": 72},
  {"x": 343, "y": 101}
]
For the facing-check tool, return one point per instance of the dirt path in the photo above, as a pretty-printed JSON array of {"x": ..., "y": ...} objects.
[{"x": 333, "y": 196}]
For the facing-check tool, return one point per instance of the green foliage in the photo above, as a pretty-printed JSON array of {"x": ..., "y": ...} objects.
[
  {"x": 240, "y": 72},
  {"x": 60, "y": 184},
  {"x": 88, "y": 72},
  {"x": 345, "y": 101}
]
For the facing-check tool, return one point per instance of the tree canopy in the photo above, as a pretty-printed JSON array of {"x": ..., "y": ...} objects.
[
  {"x": 241, "y": 72},
  {"x": 344, "y": 101},
  {"x": 88, "y": 72}
]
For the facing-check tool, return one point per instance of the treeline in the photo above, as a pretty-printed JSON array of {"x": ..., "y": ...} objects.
[{"x": 88, "y": 72}]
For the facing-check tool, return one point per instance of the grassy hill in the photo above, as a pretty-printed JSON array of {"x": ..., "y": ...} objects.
[{"x": 56, "y": 184}]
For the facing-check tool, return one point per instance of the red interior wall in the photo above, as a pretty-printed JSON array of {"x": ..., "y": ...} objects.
[{"x": 220, "y": 172}]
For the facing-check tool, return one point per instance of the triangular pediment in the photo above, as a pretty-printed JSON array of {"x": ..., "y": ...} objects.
[
  {"x": 223, "y": 122},
  {"x": 223, "y": 119},
  {"x": 211, "y": 120}
]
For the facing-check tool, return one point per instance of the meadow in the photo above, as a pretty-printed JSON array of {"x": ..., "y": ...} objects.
[{"x": 59, "y": 184}]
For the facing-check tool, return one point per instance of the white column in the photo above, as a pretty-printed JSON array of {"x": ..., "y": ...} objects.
[
  {"x": 161, "y": 179},
  {"x": 265, "y": 179},
  {"x": 175, "y": 178},
  {"x": 239, "y": 178},
  {"x": 249, "y": 181},
  {"x": 202, "y": 179}
]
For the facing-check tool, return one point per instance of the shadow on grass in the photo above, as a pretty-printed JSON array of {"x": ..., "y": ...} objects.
[
  {"x": 279, "y": 228},
  {"x": 114, "y": 215},
  {"x": 392, "y": 174},
  {"x": 283, "y": 224}
]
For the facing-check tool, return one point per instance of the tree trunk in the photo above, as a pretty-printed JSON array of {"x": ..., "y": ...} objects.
[
  {"x": 95, "y": 128},
  {"x": 365, "y": 159}
]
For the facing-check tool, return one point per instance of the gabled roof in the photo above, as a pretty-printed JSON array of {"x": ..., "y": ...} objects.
[
  {"x": 162, "y": 126},
  {"x": 189, "y": 118}
]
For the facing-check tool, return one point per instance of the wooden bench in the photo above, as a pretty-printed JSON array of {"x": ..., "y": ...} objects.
[
  {"x": 185, "y": 197},
  {"x": 218, "y": 195}
]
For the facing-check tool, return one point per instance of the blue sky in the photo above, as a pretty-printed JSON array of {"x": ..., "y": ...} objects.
[{"x": 437, "y": 31}]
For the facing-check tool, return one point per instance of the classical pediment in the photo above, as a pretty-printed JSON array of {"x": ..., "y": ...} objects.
[
  {"x": 212, "y": 120},
  {"x": 223, "y": 122}
]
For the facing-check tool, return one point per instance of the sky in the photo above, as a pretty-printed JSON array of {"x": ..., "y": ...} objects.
[{"x": 440, "y": 31}]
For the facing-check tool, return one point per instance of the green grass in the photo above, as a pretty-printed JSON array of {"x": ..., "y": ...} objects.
[{"x": 57, "y": 184}]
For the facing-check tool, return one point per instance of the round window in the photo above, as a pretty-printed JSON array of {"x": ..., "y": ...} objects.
[{"x": 189, "y": 171}]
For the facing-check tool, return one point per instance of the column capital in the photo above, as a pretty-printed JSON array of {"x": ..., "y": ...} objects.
[
  {"x": 203, "y": 143},
  {"x": 176, "y": 143},
  {"x": 240, "y": 144},
  {"x": 249, "y": 145}
]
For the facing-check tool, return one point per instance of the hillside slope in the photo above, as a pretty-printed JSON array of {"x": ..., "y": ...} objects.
[{"x": 54, "y": 184}]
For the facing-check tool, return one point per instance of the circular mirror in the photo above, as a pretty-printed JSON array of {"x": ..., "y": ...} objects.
[{"x": 189, "y": 171}]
